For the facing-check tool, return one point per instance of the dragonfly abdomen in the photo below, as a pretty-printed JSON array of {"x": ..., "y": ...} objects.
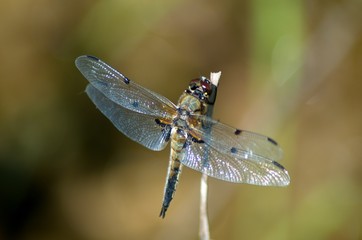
[{"x": 178, "y": 139}]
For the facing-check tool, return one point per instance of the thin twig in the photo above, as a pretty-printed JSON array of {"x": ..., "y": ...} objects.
[
  {"x": 204, "y": 231},
  {"x": 214, "y": 78}
]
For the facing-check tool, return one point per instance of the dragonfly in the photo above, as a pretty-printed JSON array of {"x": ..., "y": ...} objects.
[{"x": 197, "y": 141}]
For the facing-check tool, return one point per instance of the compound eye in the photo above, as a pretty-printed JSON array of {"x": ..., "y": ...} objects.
[{"x": 207, "y": 86}]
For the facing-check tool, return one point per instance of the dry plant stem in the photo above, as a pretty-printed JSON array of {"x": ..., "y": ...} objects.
[
  {"x": 215, "y": 77},
  {"x": 204, "y": 231}
]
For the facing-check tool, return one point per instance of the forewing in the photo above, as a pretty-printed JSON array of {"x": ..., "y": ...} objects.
[
  {"x": 121, "y": 90},
  {"x": 139, "y": 127}
]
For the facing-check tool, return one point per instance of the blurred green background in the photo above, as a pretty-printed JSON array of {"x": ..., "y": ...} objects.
[{"x": 292, "y": 70}]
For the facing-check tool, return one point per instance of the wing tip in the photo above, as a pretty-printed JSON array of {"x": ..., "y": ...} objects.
[
  {"x": 79, "y": 59},
  {"x": 272, "y": 141},
  {"x": 92, "y": 57},
  {"x": 278, "y": 165},
  {"x": 286, "y": 180}
]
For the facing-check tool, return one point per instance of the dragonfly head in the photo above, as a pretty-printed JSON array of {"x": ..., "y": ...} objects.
[{"x": 203, "y": 89}]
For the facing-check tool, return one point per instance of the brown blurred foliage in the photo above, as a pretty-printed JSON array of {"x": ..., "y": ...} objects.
[{"x": 291, "y": 70}]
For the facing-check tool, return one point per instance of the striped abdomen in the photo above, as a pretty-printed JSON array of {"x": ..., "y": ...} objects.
[{"x": 178, "y": 139}]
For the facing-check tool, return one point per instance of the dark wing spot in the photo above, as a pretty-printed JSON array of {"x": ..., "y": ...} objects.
[
  {"x": 197, "y": 141},
  {"x": 278, "y": 165},
  {"x": 166, "y": 129},
  {"x": 168, "y": 135},
  {"x": 163, "y": 125},
  {"x": 186, "y": 145},
  {"x": 135, "y": 104},
  {"x": 233, "y": 150},
  {"x": 92, "y": 57},
  {"x": 126, "y": 80},
  {"x": 237, "y": 132},
  {"x": 272, "y": 141}
]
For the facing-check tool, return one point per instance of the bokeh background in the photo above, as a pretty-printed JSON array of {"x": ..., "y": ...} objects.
[{"x": 291, "y": 70}]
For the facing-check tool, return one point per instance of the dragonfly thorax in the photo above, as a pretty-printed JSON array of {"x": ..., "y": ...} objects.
[
  {"x": 181, "y": 118},
  {"x": 183, "y": 114}
]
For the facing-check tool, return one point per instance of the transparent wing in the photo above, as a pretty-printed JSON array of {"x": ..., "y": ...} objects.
[
  {"x": 223, "y": 137},
  {"x": 139, "y": 127},
  {"x": 234, "y": 155},
  {"x": 234, "y": 168},
  {"x": 121, "y": 90}
]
